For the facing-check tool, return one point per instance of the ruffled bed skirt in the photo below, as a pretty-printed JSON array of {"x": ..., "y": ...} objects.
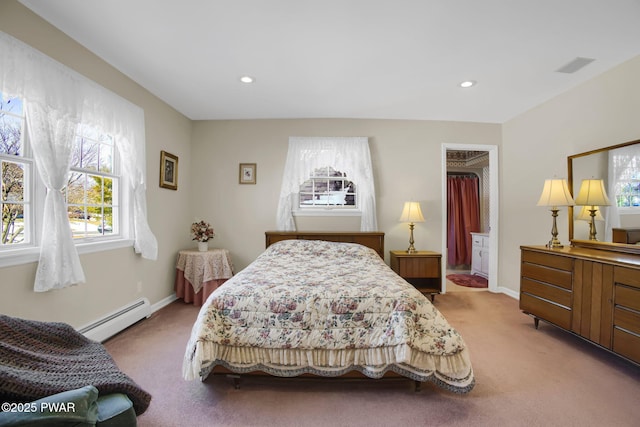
[{"x": 452, "y": 372}]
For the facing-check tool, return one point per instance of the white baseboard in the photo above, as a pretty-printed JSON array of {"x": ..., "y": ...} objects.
[
  {"x": 163, "y": 302},
  {"x": 510, "y": 292}
]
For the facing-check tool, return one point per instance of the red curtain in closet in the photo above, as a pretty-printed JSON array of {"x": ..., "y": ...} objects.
[{"x": 463, "y": 217}]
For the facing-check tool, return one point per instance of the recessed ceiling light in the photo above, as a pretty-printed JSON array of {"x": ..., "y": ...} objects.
[
  {"x": 468, "y": 83},
  {"x": 247, "y": 79}
]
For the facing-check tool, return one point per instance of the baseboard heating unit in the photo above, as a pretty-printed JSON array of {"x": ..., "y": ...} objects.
[{"x": 117, "y": 321}]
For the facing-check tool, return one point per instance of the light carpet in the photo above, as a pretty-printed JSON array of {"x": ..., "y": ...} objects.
[{"x": 524, "y": 377}]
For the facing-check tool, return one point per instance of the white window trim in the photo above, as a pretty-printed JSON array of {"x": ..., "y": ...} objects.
[{"x": 31, "y": 254}]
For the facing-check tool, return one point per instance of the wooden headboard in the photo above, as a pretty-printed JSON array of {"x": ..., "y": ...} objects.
[{"x": 373, "y": 239}]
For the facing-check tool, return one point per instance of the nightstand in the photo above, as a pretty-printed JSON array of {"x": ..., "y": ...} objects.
[{"x": 421, "y": 269}]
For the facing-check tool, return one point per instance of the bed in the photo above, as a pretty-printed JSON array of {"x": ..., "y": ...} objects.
[{"x": 325, "y": 304}]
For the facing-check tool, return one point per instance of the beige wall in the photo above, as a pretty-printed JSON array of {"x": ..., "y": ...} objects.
[
  {"x": 601, "y": 112},
  {"x": 406, "y": 157},
  {"x": 112, "y": 276}
]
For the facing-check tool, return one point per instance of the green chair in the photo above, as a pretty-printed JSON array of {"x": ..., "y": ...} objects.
[{"x": 80, "y": 407}]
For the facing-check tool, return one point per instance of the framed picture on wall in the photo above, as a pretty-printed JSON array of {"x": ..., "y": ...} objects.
[
  {"x": 247, "y": 173},
  {"x": 168, "y": 170}
]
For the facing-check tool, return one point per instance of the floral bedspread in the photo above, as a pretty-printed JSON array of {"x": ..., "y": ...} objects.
[{"x": 325, "y": 308}]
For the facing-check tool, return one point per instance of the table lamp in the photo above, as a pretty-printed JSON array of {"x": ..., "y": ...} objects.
[
  {"x": 411, "y": 213},
  {"x": 591, "y": 195},
  {"x": 585, "y": 215},
  {"x": 555, "y": 193}
]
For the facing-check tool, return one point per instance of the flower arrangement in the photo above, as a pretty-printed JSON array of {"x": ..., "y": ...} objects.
[{"x": 202, "y": 231}]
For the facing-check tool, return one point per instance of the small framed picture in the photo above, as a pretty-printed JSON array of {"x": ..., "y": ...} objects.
[
  {"x": 247, "y": 173},
  {"x": 168, "y": 170}
]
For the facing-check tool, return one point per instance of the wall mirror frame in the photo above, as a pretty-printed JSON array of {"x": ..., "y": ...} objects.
[{"x": 572, "y": 164}]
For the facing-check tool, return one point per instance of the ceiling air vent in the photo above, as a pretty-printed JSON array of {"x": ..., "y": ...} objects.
[{"x": 575, "y": 65}]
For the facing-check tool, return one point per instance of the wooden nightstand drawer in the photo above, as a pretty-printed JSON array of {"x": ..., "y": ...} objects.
[
  {"x": 419, "y": 267},
  {"x": 422, "y": 269}
]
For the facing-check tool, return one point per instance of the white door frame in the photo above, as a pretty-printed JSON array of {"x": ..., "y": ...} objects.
[{"x": 493, "y": 209}]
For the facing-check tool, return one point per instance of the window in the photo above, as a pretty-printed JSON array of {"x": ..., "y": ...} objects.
[
  {"x": 326, "y": 176},
  {"x": 16, "y": 227},
  {"x": 328, "y": 187},
  {"x": 627, "y": 185},
  {"x": 92, "y": 191}
]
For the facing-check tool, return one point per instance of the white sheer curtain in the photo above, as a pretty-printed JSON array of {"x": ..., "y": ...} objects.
[
  {"x": 620, "y": 160},
  {"x": 56, "y": 100},
  {"x": 347, "y": 154}
]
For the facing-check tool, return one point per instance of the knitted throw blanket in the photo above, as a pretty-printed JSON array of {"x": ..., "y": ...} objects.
[{"x": 38, "y": 359}]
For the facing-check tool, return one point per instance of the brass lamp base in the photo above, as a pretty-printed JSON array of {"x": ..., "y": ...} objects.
[
  {"x": 554, "y": 242},
  {"x": 411, "y": 249},
  {"x": 592, "y": 223}
]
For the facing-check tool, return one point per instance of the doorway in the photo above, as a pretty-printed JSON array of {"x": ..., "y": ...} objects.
[{"x": 467, "y": 161}]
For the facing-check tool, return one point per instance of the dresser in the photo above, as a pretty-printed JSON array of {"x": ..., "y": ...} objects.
[
  {"x": 592, "y": 293},
  {"x": 630, "y": 236},
  {"x": 422, "y": 269},
  {"x": 480, "y": 254}
]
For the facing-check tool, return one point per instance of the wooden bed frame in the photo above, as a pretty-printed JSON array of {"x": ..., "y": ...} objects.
[{"x": 373, "y": 240}]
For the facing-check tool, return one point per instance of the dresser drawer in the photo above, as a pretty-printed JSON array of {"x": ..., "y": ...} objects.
[
  {"x": 626, "y": 344},
  {"x": 480, "y": 241},
  {"x": 627, "y": 276},
  {"x": 553, "y": 261},
  {"x": 546, "y": 310},
  {"x": 542, "y": 273},
  {"x": 628, "y": 297},
  {"x": 626, "y": 319},
  {"x": 545, "y": 291}
]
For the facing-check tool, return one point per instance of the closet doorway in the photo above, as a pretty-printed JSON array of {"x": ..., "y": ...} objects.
[{"x": 470, "y": 204}]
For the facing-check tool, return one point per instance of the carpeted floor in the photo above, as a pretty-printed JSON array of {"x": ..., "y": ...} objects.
[{"x": 524, "y": 377}]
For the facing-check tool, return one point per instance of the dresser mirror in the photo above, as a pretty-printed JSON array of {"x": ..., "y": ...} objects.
[{"x": 595, "y": 164}]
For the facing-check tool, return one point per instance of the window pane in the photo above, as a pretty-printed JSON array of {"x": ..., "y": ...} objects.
[
  {"x": 10, "y": 134},
  {"x": 75, "y": 188},
  {"x": 94, "y": 190},
  {"x": 106, "y": 225},
  {"x": 12, "y": 181},
  {"x": 76, "y": 158},
  {"x": 13, "y": 225},
  {"x": 13, "y": 105},
  {"x": 108, "y": 191},
  {"x": 106, "y": 158},
  {"x": 90, "y": 150}
]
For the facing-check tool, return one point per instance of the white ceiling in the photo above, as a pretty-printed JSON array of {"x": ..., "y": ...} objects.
[{"x": 395, "y": 59}]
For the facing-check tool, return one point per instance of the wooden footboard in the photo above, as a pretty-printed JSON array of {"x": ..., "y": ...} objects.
[
  {"x": 222, "y": 371},
  {"x": 373, "y": 239}
]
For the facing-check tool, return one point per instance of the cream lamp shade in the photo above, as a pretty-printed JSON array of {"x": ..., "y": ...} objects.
[
  {"x": 592, "y": 193},
  {"x": 411, "y": 213},
  {"x": 555, "y": 193},
  {"x": 585, "y": 215}
]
